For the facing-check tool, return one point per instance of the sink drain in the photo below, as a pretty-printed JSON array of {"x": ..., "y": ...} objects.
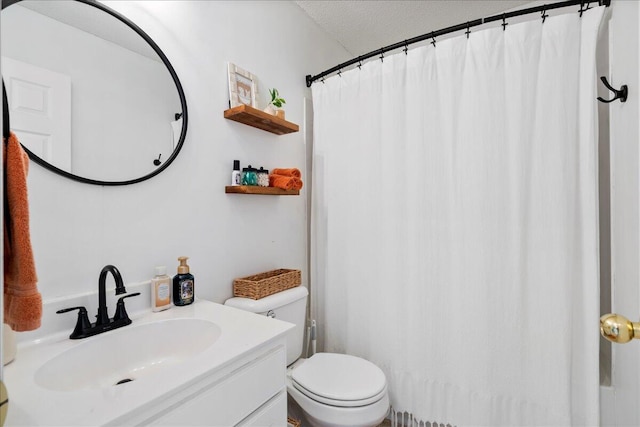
[{"x": 126, "y": 380}]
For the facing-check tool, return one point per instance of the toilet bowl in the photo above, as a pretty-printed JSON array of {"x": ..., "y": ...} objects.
[
  {"x": 331, "y": 390},
  {"x": 337, "y": 390}
]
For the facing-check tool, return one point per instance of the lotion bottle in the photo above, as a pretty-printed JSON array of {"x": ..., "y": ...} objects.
[
  {"x": 161, "y": 290},
  {"x": 236, "y": 175},
  {"x": 183, "y": 284}
]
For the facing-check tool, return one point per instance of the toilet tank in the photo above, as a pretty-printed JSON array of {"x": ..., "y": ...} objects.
[{"x": 289, "y": 305}]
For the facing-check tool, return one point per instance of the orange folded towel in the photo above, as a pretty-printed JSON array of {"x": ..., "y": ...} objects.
[
  {"x": 287, "y": 172},
  {"x": 285, "y": 182},
  {"x": 22, "y": 301}
]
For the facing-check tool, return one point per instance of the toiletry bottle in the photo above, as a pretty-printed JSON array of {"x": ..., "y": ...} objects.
[
  {"x": 236, "y": 175},
  {"x": 161, "y": 290},
  {"x": 183, "y": 284},
  {"x": 245, "y": 176},
  {"x": 263, "y": 177},
  {"x": 249, "y": 176}
]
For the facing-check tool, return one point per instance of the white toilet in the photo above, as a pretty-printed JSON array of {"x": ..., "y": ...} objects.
[{"x": 333, "y": 390}]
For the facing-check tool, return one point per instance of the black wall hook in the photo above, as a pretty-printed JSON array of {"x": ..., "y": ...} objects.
[
  {"x": 619, "y": 94},
  {"x": 157, "y": 161}
]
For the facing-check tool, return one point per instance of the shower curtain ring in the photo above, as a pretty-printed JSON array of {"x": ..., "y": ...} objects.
[
  {"x": 433, "y": 39},
  {"x": 544, "y": 13},
  {"x": 406, "y": 47},
  {"x": 340, "y": 73},
  {"x": 381, "y": 54},
  {"x": 504, "y": 22},
  {"x": 468, "y": 30},
  {"x": 360, "y": 62},
  {"x": 582, "y": 8}
]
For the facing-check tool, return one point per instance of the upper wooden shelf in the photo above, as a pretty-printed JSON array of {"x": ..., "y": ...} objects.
[
  {"x": 254, "y": 189},
  {"x": 259, "y": 119}
]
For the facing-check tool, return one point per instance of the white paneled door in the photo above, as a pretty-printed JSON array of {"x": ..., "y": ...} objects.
[
  {"x": 619, "y": 401},
  {"x": 40, "y": 110}
]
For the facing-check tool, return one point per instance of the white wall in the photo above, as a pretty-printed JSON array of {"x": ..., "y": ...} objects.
[{"x": 76, "y": 228}]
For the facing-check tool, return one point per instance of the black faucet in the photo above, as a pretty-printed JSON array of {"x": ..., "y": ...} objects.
[
  {"x": 84, "y": 328},
  {"x": 103, "y": 315}
]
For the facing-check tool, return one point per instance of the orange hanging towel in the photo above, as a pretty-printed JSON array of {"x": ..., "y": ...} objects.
[{"x": 22, "y": 301}]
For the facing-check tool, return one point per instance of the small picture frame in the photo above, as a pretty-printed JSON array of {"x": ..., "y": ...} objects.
[{"x": 243, "y": 87}]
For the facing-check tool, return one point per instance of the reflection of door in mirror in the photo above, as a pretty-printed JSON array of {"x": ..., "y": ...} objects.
[
  {"x": 123, "y": 98},
  {"x": 40, "y": 110}
]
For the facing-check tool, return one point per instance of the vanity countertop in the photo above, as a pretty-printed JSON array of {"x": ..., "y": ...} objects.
[{"x": 32, "y": 404}]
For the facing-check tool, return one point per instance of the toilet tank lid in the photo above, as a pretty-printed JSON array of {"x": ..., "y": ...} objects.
[{"x": 271, "y": 302}]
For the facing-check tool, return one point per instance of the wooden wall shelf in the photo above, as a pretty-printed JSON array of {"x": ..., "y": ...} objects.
[
  {"x": 253, "y": 189},
  {"x": 259, "y": 119}
]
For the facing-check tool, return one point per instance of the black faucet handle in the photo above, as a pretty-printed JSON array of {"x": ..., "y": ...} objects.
[
  {"x": 66, "y": 310},
  {"x": 121, "y": 311},
  {"x": 128, "y": 296},
  {"x": 82, "y": 325}
]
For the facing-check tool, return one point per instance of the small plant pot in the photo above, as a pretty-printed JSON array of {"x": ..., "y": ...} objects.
[
  {"x": 270, "y": 109},
  {"x": 280, "y": 114}
]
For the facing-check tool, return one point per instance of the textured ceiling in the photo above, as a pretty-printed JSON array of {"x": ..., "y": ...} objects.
[{"x": 363, "y": 26}]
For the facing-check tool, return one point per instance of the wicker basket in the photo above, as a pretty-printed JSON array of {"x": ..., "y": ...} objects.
[
  {"x": 293, "y": 422},
  {"x": 267, "y": 283}
]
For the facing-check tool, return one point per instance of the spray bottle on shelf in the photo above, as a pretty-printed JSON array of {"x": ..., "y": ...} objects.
[{"x": 236, "y": 175}]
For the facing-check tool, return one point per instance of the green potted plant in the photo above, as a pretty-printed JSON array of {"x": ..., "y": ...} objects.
[{"x": 276, "y": 103}]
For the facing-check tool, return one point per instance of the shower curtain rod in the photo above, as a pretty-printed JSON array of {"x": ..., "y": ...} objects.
[{"x": 584, "y": 5}]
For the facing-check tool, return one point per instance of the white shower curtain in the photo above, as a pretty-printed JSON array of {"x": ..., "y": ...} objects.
[{"x": 454, "y": 223}]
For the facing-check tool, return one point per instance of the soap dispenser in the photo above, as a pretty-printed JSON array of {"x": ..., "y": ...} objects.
[
  {"x": 183, "y": 284},
  {"x": 161, "y": 290}
]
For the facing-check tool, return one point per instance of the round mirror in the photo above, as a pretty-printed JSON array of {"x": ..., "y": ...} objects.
[{"x": 90, "y": 95}]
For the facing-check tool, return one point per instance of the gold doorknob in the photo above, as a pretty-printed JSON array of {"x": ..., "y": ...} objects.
[{"x": 619, "y": 329}]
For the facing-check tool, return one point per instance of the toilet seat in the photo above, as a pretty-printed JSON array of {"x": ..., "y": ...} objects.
[
  {"x": 340, "y": 403},
  {"x": 339, "y": 380}
]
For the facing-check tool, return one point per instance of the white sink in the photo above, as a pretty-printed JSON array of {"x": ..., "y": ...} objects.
[
  {"x": 127, "y": 354},
  {"x": 171, "y": 357}
]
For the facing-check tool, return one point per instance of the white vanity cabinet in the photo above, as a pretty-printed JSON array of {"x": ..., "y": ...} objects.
[{"x": 253, "y": 394}]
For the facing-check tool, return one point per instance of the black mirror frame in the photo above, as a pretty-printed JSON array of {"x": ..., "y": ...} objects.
[{"x": 183, "y": 102}]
